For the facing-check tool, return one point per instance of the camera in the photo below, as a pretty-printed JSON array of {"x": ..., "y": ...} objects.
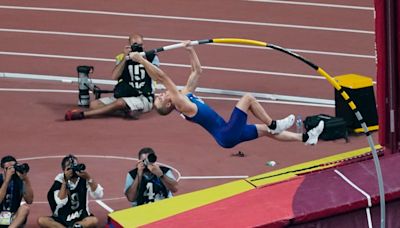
[
  {"x": 137, "y": 47},
  {"x": 151, "y": 158},
  {"x": 78, "y": 167},
  {"x": 22, "y": 168}
]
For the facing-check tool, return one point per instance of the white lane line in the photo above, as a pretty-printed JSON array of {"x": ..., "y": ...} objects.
[
  {"x": 188, "y": 19},
  {"x": 37, "y": 90},
  {"x": 274, "y": 97},
  {"x": 176, "y": 41},
  {"x": 367, "y": 209},
  {"x": 164, "y": 64},
  {"x": 271, "y": 102},
  {"x": 203, "y": 97},
  {"x": 236, "y": 70},
  {"x": 105, "y": 206},
  {"x": 97, "y": 156},
  {"x": 55, "y": 56},
  {"x": 212, "y": 177},
  {"x": 315, "y": 4}
]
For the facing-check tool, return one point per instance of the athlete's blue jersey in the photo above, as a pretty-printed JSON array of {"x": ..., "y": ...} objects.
[
  {"x": 226, "y": 134},
  {"x": 205, "y": 116}
]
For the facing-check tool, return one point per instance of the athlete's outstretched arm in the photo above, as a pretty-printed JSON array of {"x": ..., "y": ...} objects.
[
  {"x": 196, "y": 70},
  {"x": 155, "y": 73},
  {"x": 179, "y": 100}
]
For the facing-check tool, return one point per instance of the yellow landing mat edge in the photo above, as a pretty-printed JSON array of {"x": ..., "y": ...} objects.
[
  {"x": 293, "y": 171},
  {"x": 148, "y": 213},
  {"x": 145, "y": 214}
]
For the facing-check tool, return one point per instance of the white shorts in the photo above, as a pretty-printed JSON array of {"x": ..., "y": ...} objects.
[{"x": 140, "y": 103}]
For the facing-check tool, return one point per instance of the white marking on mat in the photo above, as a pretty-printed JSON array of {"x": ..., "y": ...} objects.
[{"x": 367, "y": 210}]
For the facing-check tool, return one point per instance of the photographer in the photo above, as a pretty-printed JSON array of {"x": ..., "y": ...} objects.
[
  {"x": 134, "y": 93},
  {"x": 149, "y": 182},
  {"x": 68, "y": 197},
  {"x": 14, "y": 185}
]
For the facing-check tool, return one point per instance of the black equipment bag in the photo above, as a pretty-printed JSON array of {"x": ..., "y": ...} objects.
[{"x": 334, "y": 127}]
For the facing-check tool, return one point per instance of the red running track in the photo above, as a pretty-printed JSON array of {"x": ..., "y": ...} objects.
[{"x": 31, "y": 122}]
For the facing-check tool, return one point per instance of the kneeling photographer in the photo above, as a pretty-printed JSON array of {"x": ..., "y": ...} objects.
[
  {"x": 14, "y": 185},
  {"x": 134, "y": 92},
  {"x": 149, "y": 182},
  {"x": 68, "y": 196}
]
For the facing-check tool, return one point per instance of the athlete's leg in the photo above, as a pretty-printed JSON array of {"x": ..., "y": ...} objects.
[
  {"x": 248, "y": 102},
  {"x": 309, "y": 138},
  {"x": 230, "y": 134},
  {"x": 283, "y": 136}
]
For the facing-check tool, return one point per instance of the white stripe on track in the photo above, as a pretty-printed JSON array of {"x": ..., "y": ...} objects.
[
  {"x": 163, "y": 64},
  {"x": 105, "y": 206},
  {"x": 203, "y": 97},
  {"x": 330, "y": 29},
  {"x": 176, "y": 41},
  {"x": 271, "y": 73},
  {"x": 315, "y": 4},
  {"x": 273, "y": 97}
]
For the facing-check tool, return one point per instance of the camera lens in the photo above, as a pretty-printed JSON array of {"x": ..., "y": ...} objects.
[
  {"x": 79, "y": 167},
  {"x": 152, "y": 158},
  {"x": 137, "y": 47},
  {"x": 22, "y": 168}
]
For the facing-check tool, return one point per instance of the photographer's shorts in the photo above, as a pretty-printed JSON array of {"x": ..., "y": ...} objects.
[{"x": 140, "y": 103}]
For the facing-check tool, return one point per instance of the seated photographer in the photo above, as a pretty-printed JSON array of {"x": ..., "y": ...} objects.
[
  {"x": 149, "y": 182},
  {"x": 14, "y": 185},
  {"x": 134, "y": 93},
  {"x": 68, "y": 197}
]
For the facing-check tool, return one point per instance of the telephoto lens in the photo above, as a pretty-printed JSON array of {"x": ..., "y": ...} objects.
[
  {"x": 152, "y": 158},
  {"x": 21, "y": 168},
  {"x": 136, "y": 47},
  {"x": 79, "y": 167}
]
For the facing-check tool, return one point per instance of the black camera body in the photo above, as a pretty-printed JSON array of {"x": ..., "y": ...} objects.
[
  {"x": 151, "y": 158},
  {"x": 21, "y": 168},
  {"x": 78, "y": 167},
  {"x": 137, "y": 47}
]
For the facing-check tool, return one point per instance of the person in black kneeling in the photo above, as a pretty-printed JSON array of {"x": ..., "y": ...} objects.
[
  {"x": 14, "y": 186},
  {"x": 149, "y": 182},
  {"x": 68, "y": 197}
]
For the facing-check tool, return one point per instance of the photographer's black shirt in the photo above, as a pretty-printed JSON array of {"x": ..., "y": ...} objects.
[
  {"x": 76, "y": 208},
  {"x": 151, "y": 188},
  {"x": 13, "y": 197},
  {"x": 136, "y": 75}
]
